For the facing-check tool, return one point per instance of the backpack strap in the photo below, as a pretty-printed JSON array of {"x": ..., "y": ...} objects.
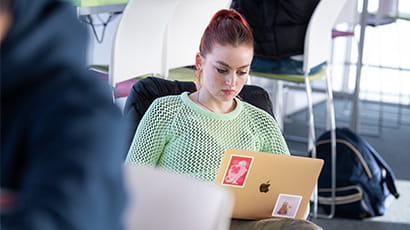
[{"x": 389, "y": 177}]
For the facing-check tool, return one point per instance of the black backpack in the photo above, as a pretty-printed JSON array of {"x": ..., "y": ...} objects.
[{"x": 363, "y": 179}]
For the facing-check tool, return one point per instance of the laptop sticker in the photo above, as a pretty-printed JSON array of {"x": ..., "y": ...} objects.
[
  {"x": 287, "y": 205},
  {"x": 237, "y": 171}
]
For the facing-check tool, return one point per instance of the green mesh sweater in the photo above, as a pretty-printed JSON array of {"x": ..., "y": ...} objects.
[{"x": 177, "y": 134}]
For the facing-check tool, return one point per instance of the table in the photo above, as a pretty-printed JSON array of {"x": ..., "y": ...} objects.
[
  {"x": 88, "y": 10},
  {"x": 88, "y": 7}
]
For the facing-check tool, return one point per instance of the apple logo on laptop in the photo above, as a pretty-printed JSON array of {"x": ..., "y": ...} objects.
[{"x": 264, "y": 187}]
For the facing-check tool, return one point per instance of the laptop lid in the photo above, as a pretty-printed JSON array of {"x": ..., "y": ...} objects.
[
  {"x": 159, "y": 199},
  {"x": 267, "y": 185}
]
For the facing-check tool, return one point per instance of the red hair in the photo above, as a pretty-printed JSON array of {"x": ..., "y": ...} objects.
[{"x": 227, "y": 27}]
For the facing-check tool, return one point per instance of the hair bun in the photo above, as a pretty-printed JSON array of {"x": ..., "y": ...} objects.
[
  {"x": 228, "y": 14},
  {"x": 227, "y": 27}
]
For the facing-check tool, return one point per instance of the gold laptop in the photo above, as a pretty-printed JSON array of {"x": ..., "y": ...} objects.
[{"x": 267, "y": 185}]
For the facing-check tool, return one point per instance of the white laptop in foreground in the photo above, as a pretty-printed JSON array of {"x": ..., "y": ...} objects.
[{"x": 159, "y": 199}]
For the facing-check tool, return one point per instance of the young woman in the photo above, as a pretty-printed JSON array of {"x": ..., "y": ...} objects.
[{"x": 189, "y": 133}]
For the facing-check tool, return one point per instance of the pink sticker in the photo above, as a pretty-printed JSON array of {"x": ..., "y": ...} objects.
[{"x": 237, "y": 170}]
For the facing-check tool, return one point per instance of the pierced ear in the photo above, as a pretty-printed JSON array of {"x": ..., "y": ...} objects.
[{"x": 198, "y": 62}]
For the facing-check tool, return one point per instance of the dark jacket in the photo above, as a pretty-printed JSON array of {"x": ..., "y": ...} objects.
[
  {"x": 61, "y": 135},
  {"x": 279, "y": 26}
]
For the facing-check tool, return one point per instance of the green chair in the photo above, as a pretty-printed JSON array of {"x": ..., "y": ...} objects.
[{"x": 317, "y": 50}]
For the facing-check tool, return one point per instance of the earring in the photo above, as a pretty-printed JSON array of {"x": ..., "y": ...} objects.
[{"x": 198, "y": 78}]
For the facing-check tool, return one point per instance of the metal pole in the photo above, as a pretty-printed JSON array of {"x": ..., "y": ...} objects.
[{"x": 356, "y": 96}]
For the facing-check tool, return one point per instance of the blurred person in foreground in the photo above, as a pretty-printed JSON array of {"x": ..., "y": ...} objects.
[{"x": 60, "y": 131}]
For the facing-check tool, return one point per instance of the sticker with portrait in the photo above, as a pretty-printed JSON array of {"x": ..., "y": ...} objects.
[
  {"x": 237, "y": 171},
  {"x": 287, "y": 205}
]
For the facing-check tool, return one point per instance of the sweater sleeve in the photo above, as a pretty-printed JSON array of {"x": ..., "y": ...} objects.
[
  {"x": 151, "y": 135},
  {"x": 270, "y": 135}
]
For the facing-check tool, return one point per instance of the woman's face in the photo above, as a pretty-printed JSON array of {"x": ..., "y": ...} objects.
[{"x": 225, "y": 70}]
